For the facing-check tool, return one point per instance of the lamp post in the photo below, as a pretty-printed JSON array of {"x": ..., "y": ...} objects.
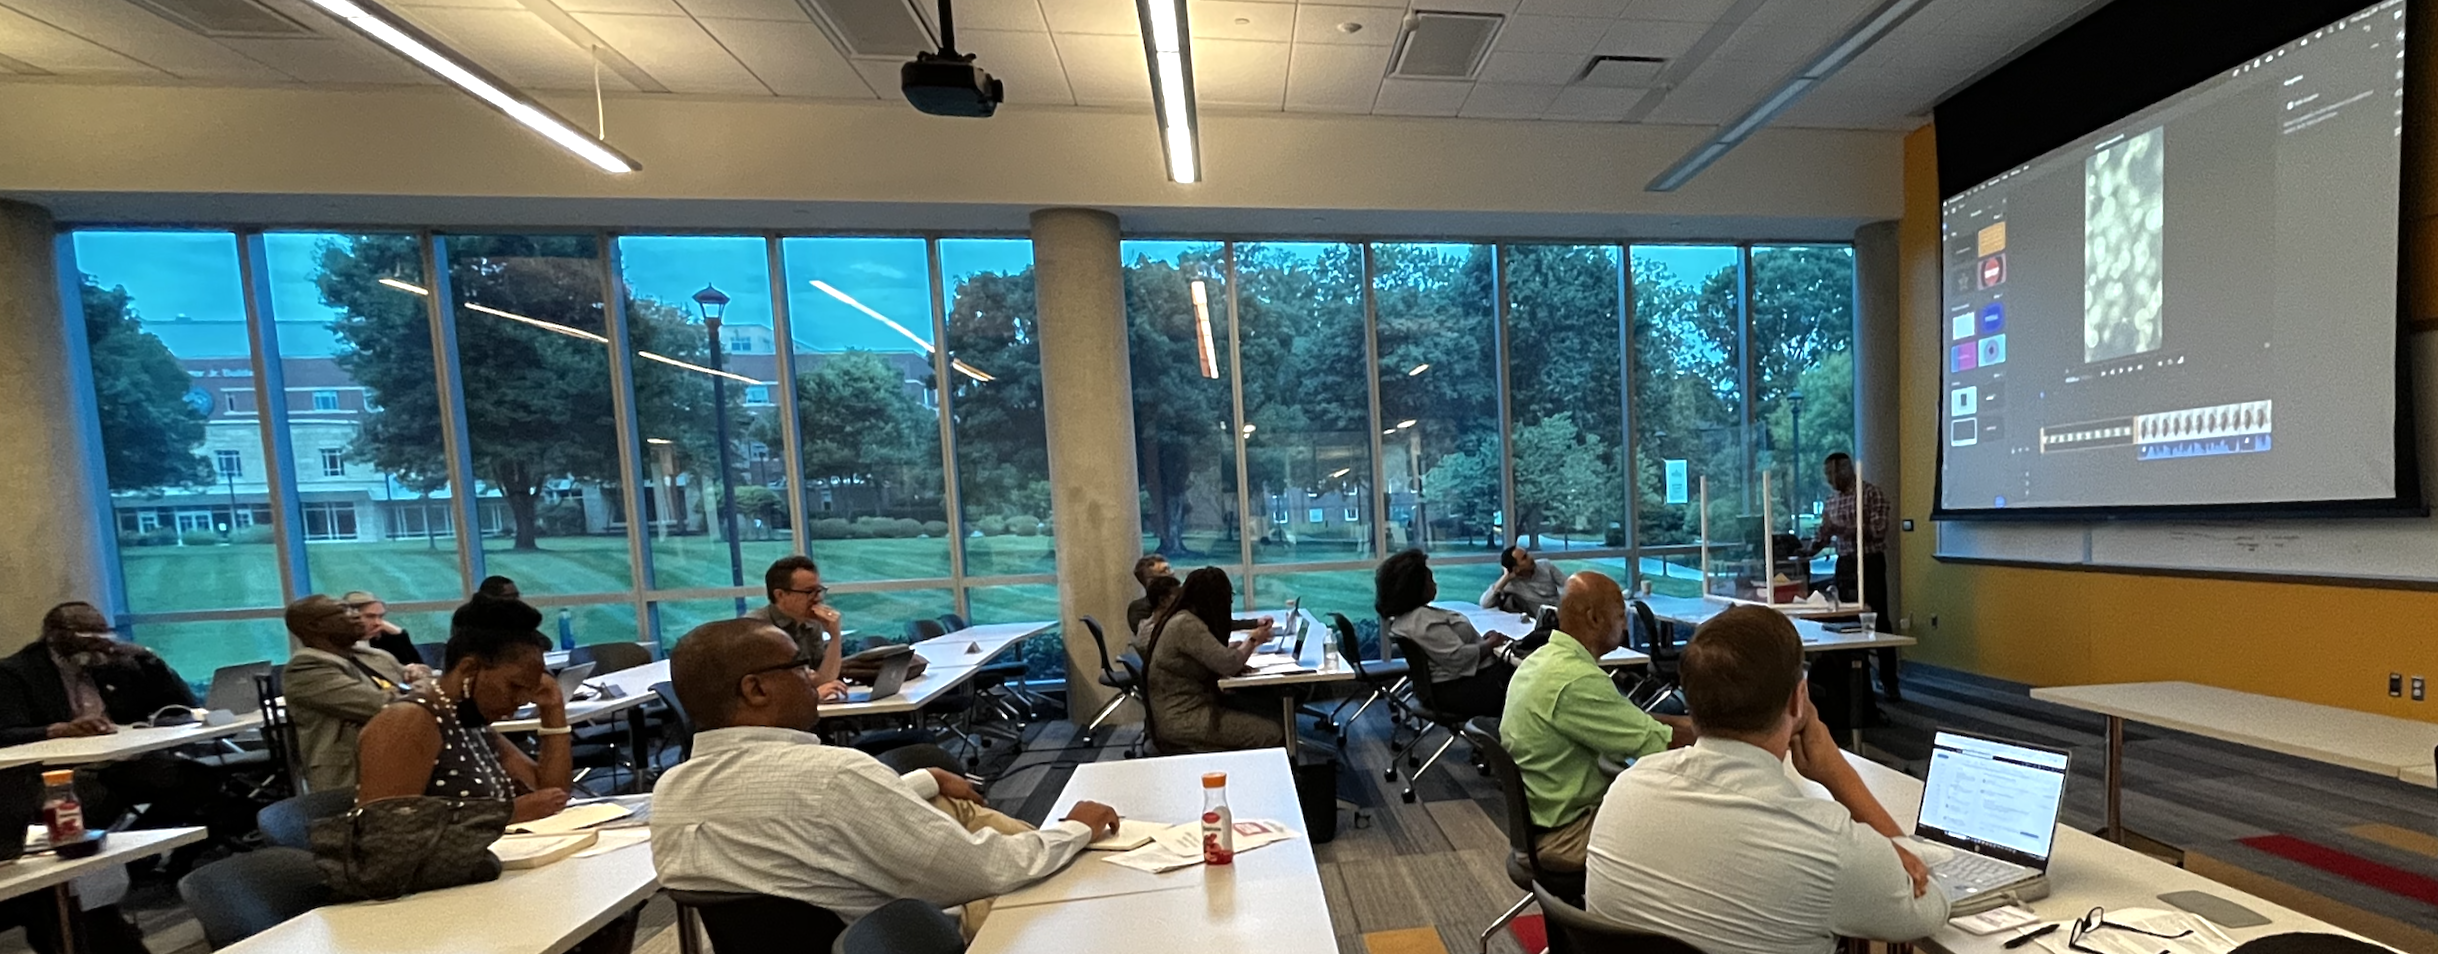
[{"x": 712, "y": 304}]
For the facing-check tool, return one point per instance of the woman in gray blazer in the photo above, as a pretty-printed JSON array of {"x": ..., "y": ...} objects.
[
  {"x": 1188, "y": 654},
  {"x": 334, "y": 686}
]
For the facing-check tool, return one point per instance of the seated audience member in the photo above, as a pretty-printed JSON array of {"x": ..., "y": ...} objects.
[
  {"x": 438, "y": 741},
  {"x": 379, "y": 632},
  {"x": 1563, "y": 716},
  {"x": 1188, "y": 653},
  {"x": 1469, "y": 671},
  {"x": 1159, "y": 592},
  {"x": 799, "y": 608},
  {"x": 497, "y": 588},
  {"x": 1525, "y": 586},
  {"x": 79, "y": 680},
  {"x": 1146, "y": 571},
  {"x": 1714, "y": 845},
  {"x": 334, "y": 685},
  {"x": 764, "y": 806}
]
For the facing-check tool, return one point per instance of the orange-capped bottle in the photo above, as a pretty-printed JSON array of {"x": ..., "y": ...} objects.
[
  {"x": 1218, "y": 824},
  {"x": 63, "y": 816}
]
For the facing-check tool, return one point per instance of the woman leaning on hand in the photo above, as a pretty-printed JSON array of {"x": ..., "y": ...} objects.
[{"x": 438, "y": 741}]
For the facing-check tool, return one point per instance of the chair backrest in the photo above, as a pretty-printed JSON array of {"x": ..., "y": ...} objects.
[
  {"x": 1588, "y": 933},
  {"x": 918, "y": 630},
  {"x": 920, "y": 755},
  {"x": 1648, "y": 635},
  {"x": 741, "y": 922},
  {"x": 677, "y": 717},
  {"x": 278, "y": 733},
  {"x": 1100, "y": 640},
  {"x": 246, "y": 894},
  {"x": 953, "y": 622},
  {"x": 435, "y": 655},
  {"x": 610, "y": 657},
  {"x": 903, "y": 926},
  {"x": 1350, "y": 646},
  {"x": 1141, "y": 672},
  {"x": 233, "y": 688},
  {"x": 1425, "y": 691},
  {"x": 1482, "y": 734},
  {"x": 288, "y": 823}
]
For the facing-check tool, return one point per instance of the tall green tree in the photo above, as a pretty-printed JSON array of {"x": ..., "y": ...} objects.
[
  {"x": 1564, "y": 351},
  {"x": 1181, "y": 417},
  {"x": 151, "y": 426},
  {"x": 862, "y": 426},
  {"x": 1002, "y": 439},
  {"x": 1435, "y": 308}
]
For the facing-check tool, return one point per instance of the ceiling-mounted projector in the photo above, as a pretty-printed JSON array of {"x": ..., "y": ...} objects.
[{"x": 947, "y": 83}]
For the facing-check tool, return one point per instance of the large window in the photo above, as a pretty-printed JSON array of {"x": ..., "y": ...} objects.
[
  {"x": 1803, "y": 377},
  {"x": 1440, "y": 456},
  {"x": 1180, "y": 347},
  {"x": 1307, "y": 401},
  {"x": 1565, "y": 362},
  {"x": 1690, "y": 419},
  {"x": 994, "y": 396}
]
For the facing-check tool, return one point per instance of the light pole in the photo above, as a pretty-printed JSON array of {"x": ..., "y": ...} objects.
[
  {"x": 711, "y": 303},
  {"x": 1794, "y": 453}
]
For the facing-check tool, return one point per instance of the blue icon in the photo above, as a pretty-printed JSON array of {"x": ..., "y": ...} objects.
[
  {"x": 1993, "y": 318},
  {"x": 2001, "y": 501},
  {"x": 1993, "y": 351}
]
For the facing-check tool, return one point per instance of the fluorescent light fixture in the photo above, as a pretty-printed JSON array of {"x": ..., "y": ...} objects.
[
  {"x": 393, "y": 31},
  {"x": 411, "y": 289},
  {"x": 1418, "y": 369},
  {"x": 1167, "y": 49},
  {"x": 549, "y": 326},
  {"x": 849, "y": 300},
  {"x": 690, "y": 366},
  {"x": 1869, "y": 30},
  {"x": 1202, "y": 327}
]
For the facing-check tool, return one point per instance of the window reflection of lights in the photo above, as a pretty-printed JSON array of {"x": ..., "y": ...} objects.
[
  {"x": 409, "y": 288},
  {"x": 690, "y": 366},
  {"x": 658, "y": 440},
  {"x": 1248, "y": 430},
  {"x": 1340, "y": 472},
  {"x": 1202, "y": 328},
  {"x": 549, "y": 326},
  {"x": 1391, "y": 432},
  {"x": 849, "y": 300},
  {"x": 1408, "y": 422},
  {"x": 1418, "y": 369}
]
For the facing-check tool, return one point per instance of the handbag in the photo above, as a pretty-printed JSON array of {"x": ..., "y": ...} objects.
[
  {"x": 399, "y": 846},
  {"x": 864, "y": 667}
]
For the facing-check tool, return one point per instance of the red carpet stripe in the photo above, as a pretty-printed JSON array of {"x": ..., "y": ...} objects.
[
  {"x": 2392, "y": 880},
  {"x": 1531, "y": 932}
]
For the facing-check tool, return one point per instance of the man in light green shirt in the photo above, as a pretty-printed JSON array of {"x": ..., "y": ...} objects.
[{"x": 1563, "y": 714}]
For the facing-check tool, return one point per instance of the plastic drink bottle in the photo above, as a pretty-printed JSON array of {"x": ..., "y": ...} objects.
[{"x": 1218, "y": 824}]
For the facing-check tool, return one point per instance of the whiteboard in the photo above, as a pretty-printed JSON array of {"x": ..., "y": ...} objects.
[{"x": 2399, "y": 550}]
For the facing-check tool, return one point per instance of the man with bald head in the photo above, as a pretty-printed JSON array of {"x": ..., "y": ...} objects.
[
  {"x": 1563, "y": 715},
  {"x": 764, "y": 807}
]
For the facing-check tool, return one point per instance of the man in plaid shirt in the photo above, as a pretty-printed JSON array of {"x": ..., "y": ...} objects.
[{"x": 1837, "y": 527}]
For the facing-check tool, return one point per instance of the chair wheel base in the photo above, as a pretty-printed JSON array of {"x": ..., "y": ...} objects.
[
  {"x": 1388, "y": 775},
  {"x": 1407, "y": 795},
  {"x": 1412, "y": 762}
]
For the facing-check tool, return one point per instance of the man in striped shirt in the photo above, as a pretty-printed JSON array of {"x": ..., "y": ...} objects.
[{"x": 1837, "y": 520}]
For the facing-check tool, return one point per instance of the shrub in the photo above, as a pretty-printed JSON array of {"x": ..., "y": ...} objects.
[
  {"x": 827, "y": 528},
  {"x": 908, "y": 528},
  {"x": 863, "y": 529},
  {"x": 990, "y": 526},
  {"x": 1023, "y": 526},
  {"x": 158, "y": 537},
  {"x": 761, "y": 503},
  {"x": 935, "y": 528},
  {"x": 258, "y": 533},
  {"x": 560, "y": 518},
  {"x": 200, "y": 538}
]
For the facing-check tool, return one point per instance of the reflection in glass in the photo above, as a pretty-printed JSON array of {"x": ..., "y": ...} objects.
[
  {"x": 1566, "y": 327},
  {"x": 1307, "y": 402},
  {"x": 881, "y": 618},
  {"x": 1045, "y": 654},
  {"x": 1688, "y": 401},
  {"x": 1003, "y": 461},
  {"x": 355, "y": 344},
  {"x": 859, "y": 310},
  {"x": 1184, "y": 409},
  {"x": 678, "y": 617},
  {"x": 174, "y": 388},
  {"x": 1803, "y": 377},
  {"x": 1440, "y": 453}
]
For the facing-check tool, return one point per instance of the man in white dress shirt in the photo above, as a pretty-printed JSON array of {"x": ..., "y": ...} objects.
[
  {"x": 1717, "y": 846},
  {"x": 763, "y": 806}
]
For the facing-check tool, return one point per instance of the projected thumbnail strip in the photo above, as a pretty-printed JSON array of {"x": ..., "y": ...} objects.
[
  {"x": 2088, "y": 435},
  {"x": 2241, "y": 428}
]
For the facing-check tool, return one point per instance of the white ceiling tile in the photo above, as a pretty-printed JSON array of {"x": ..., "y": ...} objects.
[
  {"x": 1830, "y": 13},
  {"x": 1716, "y": 92},
  {"x": 517, "y": 45},
  {"x": 148, "y": 39},
  {"x": 1507, "y": 101},
  {"x": 881, "y": 76},
  {"x": 465, "y": 4},
  {"x": 1666, "y": 39},
  {"x": 1325, "y": 24},
  {"x": 793, "y": 59},
  {"x": 1500, "y": 7},
  {"x": 1000, "y": 15},
  {"x": 1105, "y": 70},
  {"x": 1335, "y": 78},
  {"x": 1242, "y": 73},
  {"x": 341, "y": 58},
  {"x": 1593, "y": 104},
  {"x": 1026, "y": 62},
  {"x": 1537, "y": 34},
  {"x": 1689, "y": 11},
  {"x": 1540, "y": 69},
  {"x": 1594, "y": 9},
  {"x": 1241, "y": 20},
  {"x": 676, "y": 51},
  {"x": 759, "y": 9},
  {"x": 1784, "y": 43},
  {"x": 1400, "y": 97},
  {"x": 39, "y": 44},
  {"x": 649, "y": 7},
  {"x": 2019, "y": 20},
  {"x": 1111, "y": 17}
]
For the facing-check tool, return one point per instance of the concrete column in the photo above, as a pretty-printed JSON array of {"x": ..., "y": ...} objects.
[
  {"x": 1877, "y": 355},
  {"x": 50, "y": 551},
  {"x": 1079, "y": 287}
]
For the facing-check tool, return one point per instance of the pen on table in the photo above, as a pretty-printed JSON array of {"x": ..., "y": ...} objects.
[{"x": 2027, "y": 938}]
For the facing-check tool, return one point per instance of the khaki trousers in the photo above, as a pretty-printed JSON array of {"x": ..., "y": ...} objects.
[
  {"x": 976, "y": 816},
  {"x": 1562, "y": 849}
]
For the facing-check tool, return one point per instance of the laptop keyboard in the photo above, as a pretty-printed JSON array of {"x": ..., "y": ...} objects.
[{"x": 1976, "y": 871}]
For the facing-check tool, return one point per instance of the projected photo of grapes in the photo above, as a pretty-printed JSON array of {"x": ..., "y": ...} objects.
[{"x": 2124, "y": 215}]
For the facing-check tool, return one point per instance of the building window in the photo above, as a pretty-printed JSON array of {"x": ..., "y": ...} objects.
[
  {"x": 1354, "y": 515},
  {"x": 231, "y": 466},
  {"x": 229, "y": 398},
  {"x": 1316, "y": 516},
  {"x": 757, "y": 394},
  {"x": 325, "y": 400},
  {"x": 757, "y": 451},
  {"x": 330, "y": 521},
  {"x": 334, "y": 462}
]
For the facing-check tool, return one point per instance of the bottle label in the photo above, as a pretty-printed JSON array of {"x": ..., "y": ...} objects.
[
  {"x": 65, "y": 821},
  {"x": 1218, "y": 837}
]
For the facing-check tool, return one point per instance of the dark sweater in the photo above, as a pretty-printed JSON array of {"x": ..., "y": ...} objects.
[{"x": 32, "y": 698}]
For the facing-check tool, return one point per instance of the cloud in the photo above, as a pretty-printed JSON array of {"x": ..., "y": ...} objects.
[{"x": 878, "y": 270}]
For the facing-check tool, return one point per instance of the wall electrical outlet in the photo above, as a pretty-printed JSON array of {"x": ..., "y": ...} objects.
[
  {"x": 2395, "y": 685},
  {"x": 2419, "y": 689}
]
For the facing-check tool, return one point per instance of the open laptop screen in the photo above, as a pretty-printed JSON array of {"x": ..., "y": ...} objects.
[{"x": 1997, "y": 798}]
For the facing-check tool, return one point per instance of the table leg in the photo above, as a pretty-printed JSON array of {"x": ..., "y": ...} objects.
[
  {"x": 2116, "y": 779},
  {"x": 1857, "y": 698},
  {"x": 642, "y": 755},
  {"x": 69, "y": 941},
  {"x": 1286, "y": 720}
]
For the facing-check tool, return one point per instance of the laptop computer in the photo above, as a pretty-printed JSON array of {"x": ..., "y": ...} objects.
[
  {"x": 571, "y": 680},
  {"x": 889, "y": 679},
  {"x": 233, "y": 688},
  {"x": 1995, "y": 804}
]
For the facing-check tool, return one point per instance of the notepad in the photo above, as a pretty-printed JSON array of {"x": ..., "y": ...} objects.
[
  {"x": 1131, "y": 834},
  {"x": 573, "y": 818},
  {"x": 534, "y": 851},
  {"x": 1272, "y": 661}
]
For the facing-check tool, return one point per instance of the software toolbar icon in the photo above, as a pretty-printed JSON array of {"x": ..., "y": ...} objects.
[{"x": 1993, "y": 270}]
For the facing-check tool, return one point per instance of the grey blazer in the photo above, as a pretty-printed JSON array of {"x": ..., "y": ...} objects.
[{"x": 330, "y": 699}]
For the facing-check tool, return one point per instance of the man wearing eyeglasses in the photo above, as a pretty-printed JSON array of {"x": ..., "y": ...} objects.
[{"x": 798, "y": 607}]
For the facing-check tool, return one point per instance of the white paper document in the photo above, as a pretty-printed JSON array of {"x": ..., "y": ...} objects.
[
  {"x": 2205, "y": 938},
  {"x": 574, "y": 818},
  {"x": 1180, "y": 846}
]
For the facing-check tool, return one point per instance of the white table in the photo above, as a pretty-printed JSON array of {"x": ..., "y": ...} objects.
[
  {"x": 38, "y": 872},
  {"x": 1270, "y": 900},
  {"x": 1692, "y": 611},
  {"x": 948, "y": 662},
  {"x": 1317, "y": 665},
  {"x": 2085, "y": 871},
  {"x": 1517, "y": 626},
  {"x": 2385, "y": 745},
  {"x": 635, "y": 685},
  {"x": 543, "y": 910},
  {"x": 125, "y": 743}
]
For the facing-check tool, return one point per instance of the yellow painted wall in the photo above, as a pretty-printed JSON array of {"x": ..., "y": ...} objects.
[{"x": 2333, "y": 645}]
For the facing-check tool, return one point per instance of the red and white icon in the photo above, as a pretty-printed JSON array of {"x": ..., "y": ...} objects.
[{"x": 1993, "y": 270}]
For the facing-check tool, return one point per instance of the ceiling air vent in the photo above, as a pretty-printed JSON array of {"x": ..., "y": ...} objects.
[
  {"x": 1624, "y": 72},
  {"x": 880, "y": 29},
  {"x": 231, "y": 18},
  {"x": 1442, "y": 45}
]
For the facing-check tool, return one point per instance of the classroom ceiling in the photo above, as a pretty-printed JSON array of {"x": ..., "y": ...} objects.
[{"x": 1720, "y": 56}]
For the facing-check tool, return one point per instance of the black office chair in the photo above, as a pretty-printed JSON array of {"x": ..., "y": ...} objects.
[
  {"x": 246, "y": 894},
  {"x": 680, "y": 724},
  {"x": 1655, "y": 688},
  {"x": 953, "y": 622},
  {"x": 1588, "y": 933},
  {"x": 741, "y": 922},
  {"x": 903, "y": 926},
  {"x": 921, "y": 755},
  {"x": 1126, "y": 685},
  {"x": 610, "y": 657},
  {"x": 278, "y": 736},
  {"x": 2306, "y": 943},
  {"x": 918, "y": 630},
  {"x": 1523, "y": 837},
  {"x": 288, "y": 823},
  {"x": 1380, "y": 680},
  {"x": 1150, "y": 740},
  {"x": 1426, "y": 706}
]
